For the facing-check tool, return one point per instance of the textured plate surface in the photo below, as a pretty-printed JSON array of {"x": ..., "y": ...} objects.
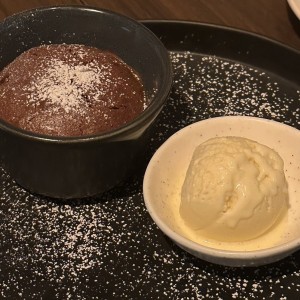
[{"x": 108, "y": 247}]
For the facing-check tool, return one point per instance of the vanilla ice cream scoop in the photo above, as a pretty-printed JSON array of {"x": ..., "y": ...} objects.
[{"x": 235, "y": 189}]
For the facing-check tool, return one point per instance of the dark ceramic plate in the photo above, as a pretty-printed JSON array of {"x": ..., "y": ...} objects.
[{"x": 108, "y": 247}]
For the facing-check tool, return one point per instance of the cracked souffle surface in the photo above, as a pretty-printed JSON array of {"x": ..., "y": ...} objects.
[{"x": 69, "y": 90}]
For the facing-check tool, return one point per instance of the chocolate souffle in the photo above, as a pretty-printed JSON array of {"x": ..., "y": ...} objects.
[{"x": 69, "y": 90}]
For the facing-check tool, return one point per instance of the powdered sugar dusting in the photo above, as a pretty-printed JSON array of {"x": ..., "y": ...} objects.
[
  {"x": 215, "y": 87},
  {"x": 68, "y": 86},
  {"x": 108, "y": 247},
  {"x": 70, "y": 90}
]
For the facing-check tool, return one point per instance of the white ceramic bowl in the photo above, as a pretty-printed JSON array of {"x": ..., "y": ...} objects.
[
  {"x": 166, "y": 172},
  {"x": 295, "y": 6}
]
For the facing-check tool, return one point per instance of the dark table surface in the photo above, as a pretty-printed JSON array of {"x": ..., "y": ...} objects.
[{"x": 271, "y": 18}]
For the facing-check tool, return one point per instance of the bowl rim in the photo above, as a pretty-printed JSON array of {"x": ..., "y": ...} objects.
[
  {"x": 217, "y": 254},
  {"x": 153, "y": 108}
]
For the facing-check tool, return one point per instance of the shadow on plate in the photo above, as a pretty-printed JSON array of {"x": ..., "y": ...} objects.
[{"x": 282, "y": 268}]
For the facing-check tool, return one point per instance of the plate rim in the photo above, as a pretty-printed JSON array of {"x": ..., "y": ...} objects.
[{"x": 220, "y": 27}]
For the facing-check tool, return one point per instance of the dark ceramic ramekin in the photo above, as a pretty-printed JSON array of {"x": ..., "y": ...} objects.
[{"x": 88, "y": 165}]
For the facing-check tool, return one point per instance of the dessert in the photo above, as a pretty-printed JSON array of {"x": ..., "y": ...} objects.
[
  {"x": 234, "y": 190},
  {"x": 69, "y": 90}
]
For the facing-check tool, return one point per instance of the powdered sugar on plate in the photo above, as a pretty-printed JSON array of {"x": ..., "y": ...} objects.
[{"x": 108, "y": 247}]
